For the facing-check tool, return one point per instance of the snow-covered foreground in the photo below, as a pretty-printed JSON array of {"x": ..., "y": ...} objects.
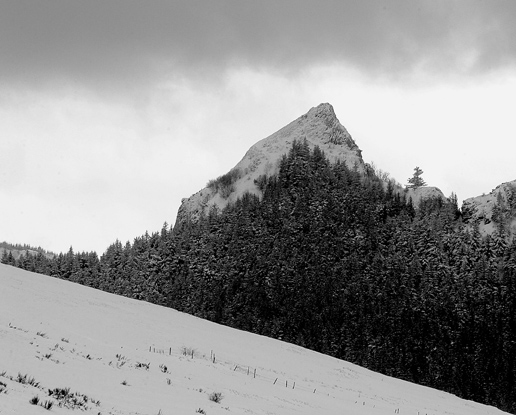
[{"x": 65, "y": 335}]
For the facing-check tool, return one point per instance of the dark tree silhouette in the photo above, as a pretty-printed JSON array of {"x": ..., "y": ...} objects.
[{"x": 416, "y": 180}]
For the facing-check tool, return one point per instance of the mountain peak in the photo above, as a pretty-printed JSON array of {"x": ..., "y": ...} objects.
[
  {"x": 319, "y": 127},
  {"x": 322, "y": 110}
]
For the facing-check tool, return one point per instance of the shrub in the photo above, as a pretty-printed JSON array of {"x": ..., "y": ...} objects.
[
  {"x": 70, "y": 400},
  {"x": 59, "y": 393},
  {"x": 42, "y": 334},
  {"x": 216, "y": 397},
  {"x": 34, "y": 400},
  {"x": 225, "y": 183},
  {"x": 124, "y": 382}
]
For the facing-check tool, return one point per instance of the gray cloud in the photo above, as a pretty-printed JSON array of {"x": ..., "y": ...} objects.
[{"x": 130, "y": 42}]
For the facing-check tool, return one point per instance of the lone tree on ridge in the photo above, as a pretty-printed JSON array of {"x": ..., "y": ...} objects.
[{"x": 416, "y": 180}]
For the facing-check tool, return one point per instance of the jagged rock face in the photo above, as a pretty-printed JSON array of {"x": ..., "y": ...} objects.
[
  {"x": 493, "y": 212},
  {"x": 319, "y": 126}
]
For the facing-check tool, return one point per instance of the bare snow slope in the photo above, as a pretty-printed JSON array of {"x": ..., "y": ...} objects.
[
  {"x": 319, "y": 126},
  {"x": 65, "y": 335}
]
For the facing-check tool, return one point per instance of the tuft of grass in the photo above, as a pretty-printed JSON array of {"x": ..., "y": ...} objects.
[
  {"x": 2, "y": 374},
  {"x": 34, "y": 400},
  {"x": 201, "y": 411},
  {"x": 215, "y": 397},
  {"x": 3, "y": 387},
  {"x": 47, "y": 405},
  {"x": 140, "y": 365},
  {"x": 124, "y": 382},
  {"x": 65, "y": 340},
  {"x": 59, "y": 393},
  {"x": 42, "y": 334},
  {"x": 48, "y": 356},
  {"x": 26, "y": 380},
  {"x": 163, "y": 368}
]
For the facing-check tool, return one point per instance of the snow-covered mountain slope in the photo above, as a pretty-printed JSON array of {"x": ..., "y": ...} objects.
[
  {"x": 494, "y": 210},
  {"x": 319, "y": 126},
  {"x": 64, "y": 335}
]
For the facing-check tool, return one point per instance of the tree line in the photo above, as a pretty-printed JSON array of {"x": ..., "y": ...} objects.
[{"x": 339, "y": 262}]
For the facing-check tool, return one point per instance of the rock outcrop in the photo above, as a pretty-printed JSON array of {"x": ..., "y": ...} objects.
[
  {"x": 319, "y": 126},
  {"x": 424, "y": 192},
  {"x": 494, "y": 212}
]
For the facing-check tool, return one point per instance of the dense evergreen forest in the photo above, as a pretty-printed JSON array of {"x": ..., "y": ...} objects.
[{"x": 338, "y": 262}]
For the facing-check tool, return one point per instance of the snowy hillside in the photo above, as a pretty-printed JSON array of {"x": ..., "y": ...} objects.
[{"x": 57, "y": 334}]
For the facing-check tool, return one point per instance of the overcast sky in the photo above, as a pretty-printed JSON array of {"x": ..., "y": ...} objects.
[{"x": 111, "y": 112}]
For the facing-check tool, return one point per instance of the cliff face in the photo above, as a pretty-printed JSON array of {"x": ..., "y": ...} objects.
[
  {"x": 319, "y": 126},
  {"x": 495, "y": 211}
]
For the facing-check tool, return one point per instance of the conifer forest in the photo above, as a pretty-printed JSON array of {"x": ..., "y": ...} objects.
[{"x": 339, "y": 262}]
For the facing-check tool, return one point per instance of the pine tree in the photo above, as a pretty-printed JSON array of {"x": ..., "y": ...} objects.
[{"x": 416, "y": 180}]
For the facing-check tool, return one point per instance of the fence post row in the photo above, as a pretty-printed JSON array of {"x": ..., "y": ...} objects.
[{"x": 213, "y": 359}]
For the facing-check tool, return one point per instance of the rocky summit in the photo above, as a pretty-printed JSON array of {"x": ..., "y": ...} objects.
[{"x": 319, "y": 126}]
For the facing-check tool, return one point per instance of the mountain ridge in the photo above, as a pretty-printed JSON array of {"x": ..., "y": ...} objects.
[{"x": 321, "y": 127}]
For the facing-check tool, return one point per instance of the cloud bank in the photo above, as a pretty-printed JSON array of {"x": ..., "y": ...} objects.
[{"x": 128, "y": 43}]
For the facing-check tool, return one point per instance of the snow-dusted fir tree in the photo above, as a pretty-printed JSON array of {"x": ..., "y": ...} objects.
[{"x": 416, "y": 180}]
